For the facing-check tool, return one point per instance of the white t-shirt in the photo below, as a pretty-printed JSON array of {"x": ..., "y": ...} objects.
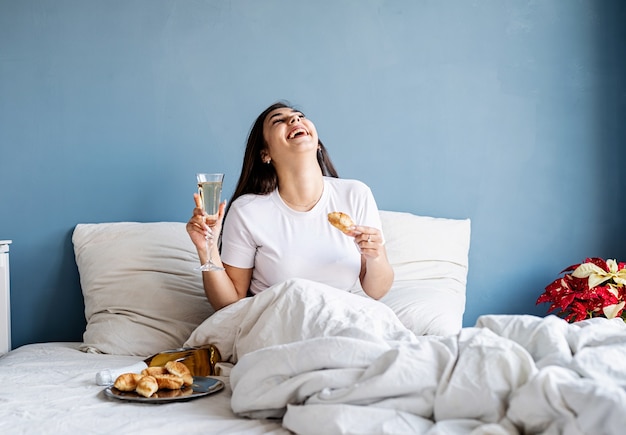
[{"x": 262, "y": 232}]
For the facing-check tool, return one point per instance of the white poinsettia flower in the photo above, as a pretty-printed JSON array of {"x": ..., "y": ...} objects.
[
  {"x": 596, "y": 275},
  {"x": 610, "y": 311},
  {"x": 611, "y": 288},
  {"x": 619, "y": 276}
]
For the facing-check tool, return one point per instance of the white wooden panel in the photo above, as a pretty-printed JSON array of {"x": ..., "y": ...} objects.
[{"x": 5, "y": 298}]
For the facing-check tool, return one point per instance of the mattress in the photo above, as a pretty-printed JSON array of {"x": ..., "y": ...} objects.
[
  {"x": 506, "y": 375},
  {"x": 49, "y": 388}
]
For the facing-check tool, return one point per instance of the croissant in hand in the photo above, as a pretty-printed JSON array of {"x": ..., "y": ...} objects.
[{"x": 341, "y": 221}]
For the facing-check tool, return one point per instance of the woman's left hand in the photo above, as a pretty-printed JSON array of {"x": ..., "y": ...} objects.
[{"x": 369, "y": 240}]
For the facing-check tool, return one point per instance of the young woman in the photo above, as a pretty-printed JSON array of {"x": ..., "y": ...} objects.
[{"x": 276, "y": 225}]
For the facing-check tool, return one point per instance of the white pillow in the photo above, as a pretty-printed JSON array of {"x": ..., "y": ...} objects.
[
  {"x": 430, "y": 260},
  {"x": 141, "y": 293}
]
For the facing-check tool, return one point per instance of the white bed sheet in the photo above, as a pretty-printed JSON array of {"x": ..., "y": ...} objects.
[
  {"x": 331, "y": 362},
  {"x": 49, "y": 388}
]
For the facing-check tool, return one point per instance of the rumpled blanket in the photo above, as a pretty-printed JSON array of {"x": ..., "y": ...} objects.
[{"x": 327, "y": 361}]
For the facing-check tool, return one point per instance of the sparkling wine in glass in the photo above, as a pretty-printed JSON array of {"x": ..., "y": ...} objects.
[{"x": 210, "y": 190}]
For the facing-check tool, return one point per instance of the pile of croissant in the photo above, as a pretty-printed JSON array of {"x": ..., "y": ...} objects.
[{"x": 168, "y": 381}]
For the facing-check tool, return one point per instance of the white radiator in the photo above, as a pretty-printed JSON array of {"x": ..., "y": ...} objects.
[{"x": 5, "y": 298}]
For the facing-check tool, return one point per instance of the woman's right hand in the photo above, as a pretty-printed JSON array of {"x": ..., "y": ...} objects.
[{"x": 198, "y": 226}]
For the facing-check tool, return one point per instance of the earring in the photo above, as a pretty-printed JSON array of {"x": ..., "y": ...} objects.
[{"x": 268, "y": 161}]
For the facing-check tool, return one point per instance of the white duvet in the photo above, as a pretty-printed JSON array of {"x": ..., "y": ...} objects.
[{"x": 328, "y": 361}]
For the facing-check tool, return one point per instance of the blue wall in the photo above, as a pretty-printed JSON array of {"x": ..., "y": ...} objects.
[{"x": 511, "y": 113}]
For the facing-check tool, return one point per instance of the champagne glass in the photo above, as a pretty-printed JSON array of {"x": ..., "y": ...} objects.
[{"x": 210, "y": 190}]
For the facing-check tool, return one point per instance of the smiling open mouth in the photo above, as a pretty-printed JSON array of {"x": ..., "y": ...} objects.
[{"x": 298, "y": 132}]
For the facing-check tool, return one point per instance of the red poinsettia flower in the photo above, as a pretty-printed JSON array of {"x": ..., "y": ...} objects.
[{"x": 594, "y": 288}]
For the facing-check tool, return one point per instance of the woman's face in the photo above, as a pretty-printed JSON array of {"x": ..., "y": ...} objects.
[{"x": 287, "y": 131}]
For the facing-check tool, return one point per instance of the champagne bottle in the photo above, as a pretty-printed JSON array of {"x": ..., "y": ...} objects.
[{"x": 200, "y": 361}]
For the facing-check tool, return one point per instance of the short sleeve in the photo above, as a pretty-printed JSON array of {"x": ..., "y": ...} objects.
[{"x": 238, "y": 247}]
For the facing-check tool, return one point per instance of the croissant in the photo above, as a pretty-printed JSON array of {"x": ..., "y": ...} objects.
[
  {"x": 173, "y": 376},
  {"x": 179, "y": 369},
  {"x": 153, "y": 371},
  {"x": 169, "y": 382},
  {"x": 147, "y": 386},
  {"x": 341, "y": 221},
  {"x": 127, "y": 381}
]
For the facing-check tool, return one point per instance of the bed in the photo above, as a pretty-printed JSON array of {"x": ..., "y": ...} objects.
[{"x": 304, "y": 358}]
